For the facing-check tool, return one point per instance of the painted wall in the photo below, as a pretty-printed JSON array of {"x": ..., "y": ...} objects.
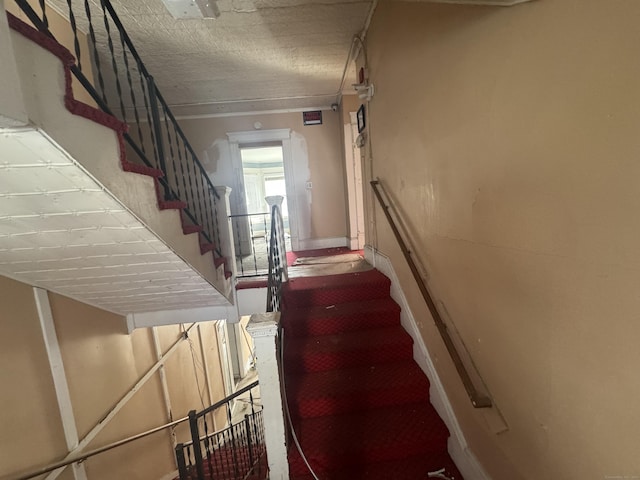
[
  {"x": 317, "y": 154},
  {"x": 12, "y": 109},
  {"x": 102, "y": 363},
  {"x": 508, "y": 138},
  {"x": 61, "y": 30}
]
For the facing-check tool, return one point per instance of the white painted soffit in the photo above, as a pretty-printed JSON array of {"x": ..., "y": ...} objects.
[{"x": 62, "y": 231}]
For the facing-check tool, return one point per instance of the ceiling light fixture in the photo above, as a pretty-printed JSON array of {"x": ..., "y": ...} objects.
[{"x": 186, "y": 9}]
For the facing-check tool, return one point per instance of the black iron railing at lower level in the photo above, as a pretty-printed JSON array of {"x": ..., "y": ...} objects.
[
  {"x": 235, "y": 452},
  {"x": 251, "y": 237},
  {"x": 117, "y": 80}
]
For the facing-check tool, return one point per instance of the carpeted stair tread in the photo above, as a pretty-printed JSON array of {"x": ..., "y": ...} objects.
[
  {"x": 334, "y": 289},
  {"x": 359, "y": 402},
  {"x": 339, "y": 391},
  {"x": 341, "y": 317},
  {"x": 383, "y": 434},
  {"x": 414, "y": 468},
  {"x": 364, "y": 348}
]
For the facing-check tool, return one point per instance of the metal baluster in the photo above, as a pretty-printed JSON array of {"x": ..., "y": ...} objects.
[
  {"x": 217, "y": 459},
  {"x": 253, "y": 246},
  {"x": 145, "y": 94},
  {"x": 207, "y": 446},
  {"x": 114, "y": 64},
  {"x": 155, "y": 126},
  {"x": 190, "y": 461},
  {"x": 74, "y": 28},
  {"x": 197, "y": 208},
  {"x": 96, "y": 56},
  {"x": 216, "y": 223},
  {"x": 132, "y": 95},
  {"x": 180, "y": 460},
  {"x": 211, "y": 220},
  {"x": 197, "y": 448},
  {"x": 241, "y": 433},
  {"x": 190, "y": 197},
  {"x": 267, "y": 236},
  {"x": 206, "y": 194},
  {"x": 182, "y": 166},
  {"x": 44, "y": 13},
  {"x": 171, "y": 154},
  {"x": 233, "y": 442},
  {"x": 239, "y": 252}
]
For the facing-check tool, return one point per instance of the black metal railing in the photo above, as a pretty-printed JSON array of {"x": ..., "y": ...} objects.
[
  {"x": 235, "y": 452},
  {"x": 478, "y": 399},
  {"x": 277, "y": 261},
  {"x": 251, "y": 233},
  {"x": 118, "y": 81}
]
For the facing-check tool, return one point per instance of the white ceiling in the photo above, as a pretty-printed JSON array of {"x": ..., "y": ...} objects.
[{"x": 257, "y": 55}]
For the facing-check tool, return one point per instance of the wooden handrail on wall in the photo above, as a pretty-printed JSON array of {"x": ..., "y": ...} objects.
[{"x": 477, "y": 399}]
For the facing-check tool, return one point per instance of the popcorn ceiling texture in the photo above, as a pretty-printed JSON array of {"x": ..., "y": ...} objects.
[{"x": 289, "y": 52}]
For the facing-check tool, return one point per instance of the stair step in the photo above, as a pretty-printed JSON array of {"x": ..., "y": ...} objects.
[
  {"x": 384, "y": 434},
  {"x": 335, "y": 289},
  {"x": 414, "y": 468},
  {"x": 342, "y": 317},
  {"x": 352, "y": 349},
  {"x": 339, "y": 391}
]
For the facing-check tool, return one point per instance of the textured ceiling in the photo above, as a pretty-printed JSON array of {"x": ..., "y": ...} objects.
[{"x": 271, "y": 53}]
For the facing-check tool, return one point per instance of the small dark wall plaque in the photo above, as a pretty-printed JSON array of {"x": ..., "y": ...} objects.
[
  {"x": 361, "y": 120},
  {"x": 312, "y": 118}
]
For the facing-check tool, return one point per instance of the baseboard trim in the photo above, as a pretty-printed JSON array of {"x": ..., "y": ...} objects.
[
  {"x": 458, "y": 448},
  {"x": 316, "y": 243}
]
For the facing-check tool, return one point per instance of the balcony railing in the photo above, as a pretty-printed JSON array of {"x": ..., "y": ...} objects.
[
  {"x": 234, "y": 452},
  {"x": 117, "y": 80}
]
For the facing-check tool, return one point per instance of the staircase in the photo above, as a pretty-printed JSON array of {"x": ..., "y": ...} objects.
[
  {"x": 83, "y": 214},
  {"x": 359, "y": 403}
]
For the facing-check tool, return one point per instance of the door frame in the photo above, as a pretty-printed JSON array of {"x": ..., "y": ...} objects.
[
  {"x": 253, "y": 138},
  {"x": 355, "y": 188},
  {"x": 224, "y": 351}
]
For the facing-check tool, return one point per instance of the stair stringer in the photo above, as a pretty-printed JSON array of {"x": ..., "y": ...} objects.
[
  {"x": 458, "y": 448},
  {"x": 94, "y": 139}
]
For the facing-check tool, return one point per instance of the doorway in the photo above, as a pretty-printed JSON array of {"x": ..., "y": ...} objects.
[
  {"x": 266, "y": 158},
  {"x": 263, "y": 175},
  {"x": 355, "y": 192}
]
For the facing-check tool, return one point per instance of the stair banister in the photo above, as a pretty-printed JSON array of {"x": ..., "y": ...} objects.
[{"x": 478, "y": 400}]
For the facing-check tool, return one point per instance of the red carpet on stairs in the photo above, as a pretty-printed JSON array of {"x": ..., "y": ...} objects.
[{"x": 359, "y": 403}]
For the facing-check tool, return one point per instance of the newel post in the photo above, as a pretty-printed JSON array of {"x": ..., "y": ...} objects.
[
  {"x": 223, "y": 210},
  {"x": 263, "y": 327}
]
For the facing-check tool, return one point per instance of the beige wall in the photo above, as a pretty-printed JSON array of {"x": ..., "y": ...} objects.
[
  {"x": 102, "y": 363},
  {"x": 61, "y": 30},
  {"x": 508, "y": 137},
  {"x": 318, "y": 157}
]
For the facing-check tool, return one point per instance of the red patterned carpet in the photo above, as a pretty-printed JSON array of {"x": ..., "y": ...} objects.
[{"x": 359, "y": 403}]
